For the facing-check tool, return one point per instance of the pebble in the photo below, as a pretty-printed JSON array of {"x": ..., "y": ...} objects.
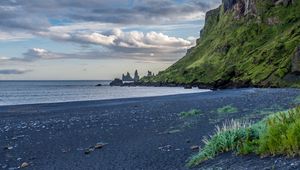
[
  {"x": 8, "y": 148},
  {"x": 24, "y": 165},
  {"x": 195, "y": 147},
  {"x": 64, "y": 151},
  {"x": 166, "y": 148},
  {"x": 88, "y": 151},
  {"x": 17, "y": 137},
  {"x": 99, "y": 145},
  {"x": 294, "y": 164}
]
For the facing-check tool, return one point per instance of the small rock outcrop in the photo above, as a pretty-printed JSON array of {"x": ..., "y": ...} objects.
[
  {"x": 188, "y": 86},
  {"x": 136, "y": 76},
  {"x": 127, "y": 77},
  {"x": 284, "y": 2},
  {"x": 149, "y": 74},
  {"x": 228, "y": 4},
  {"x": 240, "y": 7},
  {"x": 116, "y": 82}
]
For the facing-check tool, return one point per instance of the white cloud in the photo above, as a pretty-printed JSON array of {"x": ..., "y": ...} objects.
[
  {"x": 40, "y": 53},
  {"x": 130, "y": 42}
]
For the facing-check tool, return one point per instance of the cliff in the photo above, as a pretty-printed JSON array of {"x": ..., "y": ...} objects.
[{"x": 243, "y": 43}]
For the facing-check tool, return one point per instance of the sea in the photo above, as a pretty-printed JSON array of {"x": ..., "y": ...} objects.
[{"x": 34, "y": 92}]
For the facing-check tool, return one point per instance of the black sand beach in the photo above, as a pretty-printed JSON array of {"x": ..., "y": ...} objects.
[{"x": 138, "y": 133}]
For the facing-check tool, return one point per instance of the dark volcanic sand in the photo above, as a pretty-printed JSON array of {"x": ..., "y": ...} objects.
[{"x": 141, "y": 133}]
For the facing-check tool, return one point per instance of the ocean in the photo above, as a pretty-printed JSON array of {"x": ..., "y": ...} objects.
[{"x": 33, "y": 92}]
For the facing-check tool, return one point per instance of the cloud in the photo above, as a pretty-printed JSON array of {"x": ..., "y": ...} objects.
[
  {"x": 118, "y": 44},
  {"x": 129, "y": 42},
  {"x": 15, "y": 17},
  {"x": 41, "y": 15},
  {"x": 37, "y": 54},
  {"x": 13, "y": 71},
  {"x": 147, "y": 12},
  {"x": 123, "y": 28}
]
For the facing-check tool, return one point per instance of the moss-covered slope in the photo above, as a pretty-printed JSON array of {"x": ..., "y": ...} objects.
[{"x": 243, "y": 43}]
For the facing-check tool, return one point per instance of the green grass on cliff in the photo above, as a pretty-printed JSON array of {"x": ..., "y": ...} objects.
[
  {"x": 278, "y": 134},
  {"x": 256, "y": 49}
]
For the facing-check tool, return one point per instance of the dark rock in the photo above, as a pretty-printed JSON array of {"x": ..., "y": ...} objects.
[
  {"x": 116, "y": 82},
  {"x": 195, "y": 148},
  {"x": 296, "y": 62},
  {"x": 136, "y": 77},
  {"x": 284, "y": 2},
  {"x": 149, "y": 74},
  {"x": 99, "y": 85},
  {"x": 8, "y": 147},
  {"x": 250, "y": 7},
  {"x": 88, "y": 151},
  {"x": 240, "y": 7},
  {"x": 99, "y": 145},
  {"x": 127, "y": 77},
  {"x": 228, "y": 4},
  {"x": 188, "y": 86}
]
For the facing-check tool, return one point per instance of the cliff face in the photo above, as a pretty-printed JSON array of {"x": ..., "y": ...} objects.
[
  {"x": 243, "y": 43},
  {"x": 240, "y": 7}
]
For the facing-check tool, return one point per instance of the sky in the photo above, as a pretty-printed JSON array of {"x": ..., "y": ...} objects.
[{"x": 95, "y": 39}]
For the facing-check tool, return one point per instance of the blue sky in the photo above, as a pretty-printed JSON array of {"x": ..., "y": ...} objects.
[{"x": 95, "y": 39}]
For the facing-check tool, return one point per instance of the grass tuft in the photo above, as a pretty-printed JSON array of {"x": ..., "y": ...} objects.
[
  {"x": 278, "y": 134},
  {"x": 225, "y": 139},
  {"x": 227, "y": 109},
  {"x": 190, "y": 113}
]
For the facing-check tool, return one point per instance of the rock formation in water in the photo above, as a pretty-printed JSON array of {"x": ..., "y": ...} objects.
[{"x": 127, "y": 77}]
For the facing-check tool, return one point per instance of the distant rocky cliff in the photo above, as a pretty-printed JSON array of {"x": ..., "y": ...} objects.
[{"x": 243, "y": 43}]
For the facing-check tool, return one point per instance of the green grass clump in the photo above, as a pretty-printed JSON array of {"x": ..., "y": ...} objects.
[
  {"x": 190, "y": 113},
  {"x": 227, "y": 109},
  {"x": 282, "y": 136},
  {"x": 226, "y": 138},
  {"x": 278, "y": 134}
]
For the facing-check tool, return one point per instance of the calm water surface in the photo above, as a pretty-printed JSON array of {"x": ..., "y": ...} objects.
[{"x": 31, "y": 92}]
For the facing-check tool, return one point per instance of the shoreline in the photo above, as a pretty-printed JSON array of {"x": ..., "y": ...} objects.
[
  {"x": 139, "y": 133},
  {"x": 64, "y": 92},
  {"x": 213, "y": 86},
  {"x": 109, "y": 99}
]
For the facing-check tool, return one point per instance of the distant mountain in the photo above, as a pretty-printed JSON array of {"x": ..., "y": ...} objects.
[{"x": 243, "y": 43}]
